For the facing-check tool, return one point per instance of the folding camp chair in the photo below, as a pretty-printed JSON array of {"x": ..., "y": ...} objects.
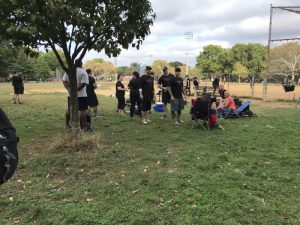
[
  {"x": 237, "y": 112},
  {"x": 203, "y": 116},
  {"x": 199, "y": 118}
]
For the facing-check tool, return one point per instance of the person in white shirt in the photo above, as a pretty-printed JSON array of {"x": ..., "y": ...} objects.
[{"x": 82, "y": 81}]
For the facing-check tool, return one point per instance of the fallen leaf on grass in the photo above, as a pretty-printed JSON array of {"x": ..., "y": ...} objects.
[
  {"x": 89, "y": 199},
  {"x": 16, "y": 220},
  {"x": 10, "y": 198},
  {"x": 158, "y": 162},
  {"x": 135, "y": 191},
  {"x": 194, "y": 206}
]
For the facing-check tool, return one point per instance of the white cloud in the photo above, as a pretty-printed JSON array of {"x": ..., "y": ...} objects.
[{"x": 222, "y": 22}]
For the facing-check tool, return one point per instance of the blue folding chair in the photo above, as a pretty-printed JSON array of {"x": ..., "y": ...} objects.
[{"x": 237, "y": 112}]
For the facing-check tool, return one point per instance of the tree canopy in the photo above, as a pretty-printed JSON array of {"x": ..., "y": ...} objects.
[{"x": 76, "y": 27}]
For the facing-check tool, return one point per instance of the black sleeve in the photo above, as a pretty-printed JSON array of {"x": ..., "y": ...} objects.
[
  {"x": 153, "y": 84},
  {"x": 130, "y": 84},
  {"x": 160, "y": 80},
  {"x": 142, "y": 82}
]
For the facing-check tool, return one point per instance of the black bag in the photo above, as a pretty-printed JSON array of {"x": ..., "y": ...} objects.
[{"x": 8, "y": 148}]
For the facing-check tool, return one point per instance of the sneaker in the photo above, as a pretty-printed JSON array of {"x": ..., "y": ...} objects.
[
  {"x": 148, "y": 121},
  {"x": 144, "y": 122},
  {"x": 181, "y": 121},
  {"x": 20, "y": 102},
  {"x": 14, "y": 102},
  {"x": 177, "y": 123}
]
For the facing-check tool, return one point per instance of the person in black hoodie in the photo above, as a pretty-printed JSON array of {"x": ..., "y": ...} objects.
[
  {"x": 134, "y": 86},
  {"x": 120, "y": 94}
]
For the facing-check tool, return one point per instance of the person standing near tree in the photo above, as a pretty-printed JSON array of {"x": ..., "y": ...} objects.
[
  {"x": 146, "y": 94},
  {"x": 120, "y": 94},
  {"x": 134, "y": 86},
  {"x": 92, "y": 97},
  {"x": 164, "y": 84},
  {"x": 18, "y": 84},
  {"x": 82, "y": 82},
  {"x": 176, "y": 93}
]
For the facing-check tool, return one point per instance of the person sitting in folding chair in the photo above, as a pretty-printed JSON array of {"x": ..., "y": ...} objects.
[
  {"x": 226, "y": 106},
  {"x": 203, "y": 112}
]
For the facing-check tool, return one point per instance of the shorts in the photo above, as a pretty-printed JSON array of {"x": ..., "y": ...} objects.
[
  {"x": 177, "y": 104},
  {"x": 166, "y": 98},
  {"x": 146, "y": 104},
  {"x": 82, "y": 103},
  {"x": 18, "y": 90}
]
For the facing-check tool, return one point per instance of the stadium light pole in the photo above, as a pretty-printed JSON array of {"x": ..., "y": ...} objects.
[
  {"x": 150, "y": 59},
  {"x": 188, "y": 37}
]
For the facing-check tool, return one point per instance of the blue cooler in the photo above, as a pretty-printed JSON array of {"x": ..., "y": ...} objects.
[{"x": 159, "y": 107}]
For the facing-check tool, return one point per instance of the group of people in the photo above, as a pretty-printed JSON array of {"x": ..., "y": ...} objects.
[
  {"x": 142, "y": 94},
  {"x": 87, "y": 98}
]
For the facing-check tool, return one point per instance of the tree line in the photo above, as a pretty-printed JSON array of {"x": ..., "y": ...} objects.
[
  {"x": 248, "y": 62},
  {"x": 242, "y": 62}
]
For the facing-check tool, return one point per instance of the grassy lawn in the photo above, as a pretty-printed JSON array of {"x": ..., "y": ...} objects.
[{"x": 129, "y": 173}]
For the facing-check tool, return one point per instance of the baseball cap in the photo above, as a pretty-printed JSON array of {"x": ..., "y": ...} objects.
[{"x": 148, "y": 68}]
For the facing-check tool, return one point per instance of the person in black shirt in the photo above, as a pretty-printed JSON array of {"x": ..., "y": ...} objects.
[
  {"x": 134, "y": 86},
  {"x": 146, "y": 94},
  {"x": 18, "y": 84},
  {"x": 120, "y": 94},
  {"x": 163, "y": 84},
  {"x": 176, "y": 93},
  {"x": 196, "y": 83},
  {"x": 216, "y": 83},
  {"x": 92, "y": 97}
]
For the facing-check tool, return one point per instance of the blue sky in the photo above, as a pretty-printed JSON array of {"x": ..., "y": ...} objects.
[{"x": 222, "y": 22}]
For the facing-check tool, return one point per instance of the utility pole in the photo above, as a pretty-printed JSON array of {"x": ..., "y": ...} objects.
[{"x": 188, "y": 37}]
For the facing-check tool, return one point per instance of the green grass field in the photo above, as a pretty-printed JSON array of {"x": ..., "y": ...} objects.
[{"x": 129, "y": 173}]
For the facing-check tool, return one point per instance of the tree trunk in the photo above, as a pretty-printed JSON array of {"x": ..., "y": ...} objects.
[{"x": 74, "y": 113}]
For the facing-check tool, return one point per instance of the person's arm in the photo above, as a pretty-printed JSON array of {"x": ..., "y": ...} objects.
[
  {"x": 84, "y": 81},
  {"x": 159, "y": 84},
  {"x": 81, "y": 86},
  {"x": 95, "y": 85},
  {"x": 226, "y": 103},
  {"x": 66, "y": 85},
  {"x": 94, "y": 82},
  {"x": 130, "y": 84},
  {"x": 170, "y": 90},
  {"x": 121, "y": 88}
]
